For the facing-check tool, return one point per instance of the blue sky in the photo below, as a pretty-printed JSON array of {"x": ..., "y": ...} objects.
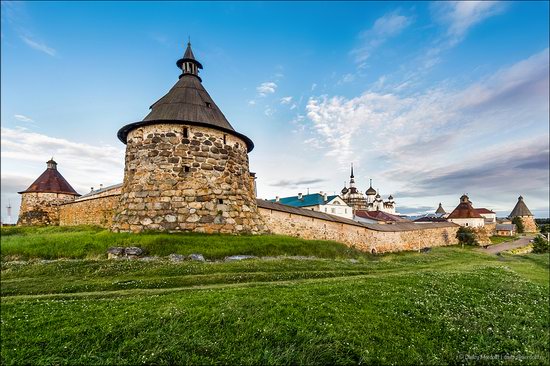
[{"x": 430, "y": 100}]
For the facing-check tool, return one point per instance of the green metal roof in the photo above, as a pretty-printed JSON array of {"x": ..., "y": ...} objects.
[{"x": 306, "y": 201}]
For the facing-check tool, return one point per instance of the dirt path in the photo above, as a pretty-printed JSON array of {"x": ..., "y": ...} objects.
[{"x": 497, "y": 248}]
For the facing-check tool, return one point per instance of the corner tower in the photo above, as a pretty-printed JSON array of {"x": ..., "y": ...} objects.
[
  {"x": 186, "y": 168},
  {"x": 40, "y": 202}
]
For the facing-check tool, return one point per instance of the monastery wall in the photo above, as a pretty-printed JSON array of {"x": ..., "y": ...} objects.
[
  {"x": 292, "y": 221},
  {"x": 97, "y": 209},
  {"x": 365, "y": 237}
]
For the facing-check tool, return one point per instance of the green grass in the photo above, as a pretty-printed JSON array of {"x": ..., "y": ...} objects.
[
  {"x": 93, "y": 242},
  {"x": 447, "y": 306},
  {"x": 495, "y": 239}
]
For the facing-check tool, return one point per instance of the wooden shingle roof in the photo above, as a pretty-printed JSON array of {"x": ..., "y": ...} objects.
[
  {"x": 187, "y": 102},
  {"x": 520, "y": 209}
]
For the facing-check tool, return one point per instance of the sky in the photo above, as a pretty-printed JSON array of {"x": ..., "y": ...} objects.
[{"x": 430, "y": 100}]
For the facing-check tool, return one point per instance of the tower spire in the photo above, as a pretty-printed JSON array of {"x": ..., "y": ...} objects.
[
  {"x": 351, "y": 176},
  {"x": 188, "y": 64}
]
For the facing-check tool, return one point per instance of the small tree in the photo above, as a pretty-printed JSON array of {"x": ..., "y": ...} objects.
[
  {"x": 540, "y": 245},
  {"x": 466, "y": 236},
  {"x": 519, "y": 224}
]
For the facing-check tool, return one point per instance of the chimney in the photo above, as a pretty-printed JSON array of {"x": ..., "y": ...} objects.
[
  {"x": 325, "y": 197},
  {"x": 276, "y": 198},
  {"x": 300, "y": 196}
]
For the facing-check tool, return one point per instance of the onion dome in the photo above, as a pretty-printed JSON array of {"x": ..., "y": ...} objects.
[
  {"x": 51, "y": 181},
  {"x": 187, "y": 103},
  {"x": 371, "y": 191},
  {"x": 344, "y": 190}
]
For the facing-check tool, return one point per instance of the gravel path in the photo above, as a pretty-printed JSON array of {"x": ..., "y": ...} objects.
[{"x": 497, "y": 248}]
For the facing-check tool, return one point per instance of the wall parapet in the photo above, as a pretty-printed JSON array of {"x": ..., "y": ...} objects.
[{"x": 374, "y": 238}]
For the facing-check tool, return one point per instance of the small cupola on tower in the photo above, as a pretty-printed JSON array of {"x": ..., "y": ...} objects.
[
  {"x": 51, "y": 164},
  {"x": 188, "y": 64}
]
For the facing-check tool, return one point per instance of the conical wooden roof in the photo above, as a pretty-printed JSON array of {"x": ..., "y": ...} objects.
[
  {"x": 440, "y": 209},
  {"x": 464, "y": 210},
  {"x": 187, "y": 102},
  {"x": 520, "y": 209},
  {"x": 51, "y": 181}
]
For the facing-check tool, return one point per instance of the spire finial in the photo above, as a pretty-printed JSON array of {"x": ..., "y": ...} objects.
[
  {"x": 189, "y": 40},
  {"x": 370, "y": 182},
  {"x": 351, "y": 176}
]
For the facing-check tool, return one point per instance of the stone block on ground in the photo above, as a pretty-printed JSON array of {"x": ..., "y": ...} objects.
[
  {"x": 239, "y": 258},
  {"x": 115, "y": 252},
  {"x": 196, "y": 257}
]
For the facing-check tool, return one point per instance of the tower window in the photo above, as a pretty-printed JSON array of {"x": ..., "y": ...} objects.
[
  {"x": 186, "y": 169},
  {"x": 208, "y": 104},
  {"x": 225, "y": 139},
  {"x": 185, "y": 132},
  {"x": 220, "y": 201}
]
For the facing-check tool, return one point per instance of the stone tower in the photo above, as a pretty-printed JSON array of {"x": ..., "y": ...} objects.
[
  {"x": 186, "y": 168},
  {"x": 521, "y": 210},
  {"x": 40, "y": 202}
]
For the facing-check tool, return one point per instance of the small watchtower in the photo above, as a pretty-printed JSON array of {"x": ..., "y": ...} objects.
[
  {"x": 40, "y": 202},
  {"x": 522, "y": 211}
]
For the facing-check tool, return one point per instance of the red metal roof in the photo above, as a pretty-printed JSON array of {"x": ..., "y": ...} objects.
[
  {"x": 464, "y": 210},
  {"x": 379, "y": 216},
  {"x": 51, "y": 181},
  {"x": 483, "y": 211}
]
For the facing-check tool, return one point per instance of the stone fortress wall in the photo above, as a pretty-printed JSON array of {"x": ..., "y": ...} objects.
[
  {"x": 41, "y": 208},
  {"x": 292, "y": 221},
  {"x": 95, "y": 209},
  {"x": 187, "y": 178},
  {"x": 373, "y": 238}
]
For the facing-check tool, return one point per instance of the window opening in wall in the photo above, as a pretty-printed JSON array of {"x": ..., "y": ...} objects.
[
  {"x": 208, "y": 104},
  {"x": 186, "y": 169},
  {"x": 220, "y": 201},
  {"x": 185, "y": 132},
  {"x": 225, "y": 139}
]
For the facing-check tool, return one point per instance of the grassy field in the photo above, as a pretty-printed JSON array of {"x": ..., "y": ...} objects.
[
  {"x": 92, "y": 243},
  {"x": 495, "y": 239},
  {"x": 447, "y": 306}
]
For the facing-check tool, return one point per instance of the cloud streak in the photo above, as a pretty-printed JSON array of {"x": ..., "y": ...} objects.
[
  {"x": 39, "y": 46},
  {"x": 385, "y": 27}
]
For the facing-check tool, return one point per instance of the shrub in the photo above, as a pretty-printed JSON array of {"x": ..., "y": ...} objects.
[
  {"x": 466, "y": 236},
  {"x": 540, "y": 244},
  {"x": 519, "y": 224}
]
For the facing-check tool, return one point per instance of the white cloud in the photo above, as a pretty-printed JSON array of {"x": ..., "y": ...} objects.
[
  {"x": 23, "y": 118},
  {"x": 347, "y": 78},
  {"x": 39, "y": 46},
  {"x": 252, "y": 102},
  {"x": 84, "y": 162},
  {"x": 313, "y": 86},
  {"x": 440, "y": 123},
  {"x": 387, "y": 26},
  {"x": 268, "y": 87},
  {"x": 286, "y": 100},
  {"x": 460, "y": 16},
  {"x": 390, "y": 25}
]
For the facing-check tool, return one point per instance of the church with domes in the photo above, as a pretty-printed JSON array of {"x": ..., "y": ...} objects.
[{"x": 370, "y": 201}]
